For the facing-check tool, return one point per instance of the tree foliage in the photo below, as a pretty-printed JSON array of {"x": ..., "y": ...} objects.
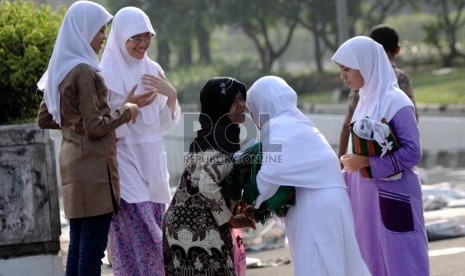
[
  {"x": 319, "y": 18},
  {"x": 183, "y": 28},
  {"x": 441, "y": 32},
  {"x": 27, "y": 36},
  {"x": 377, "y": 11},
  {"x": 262, "y": 23}
]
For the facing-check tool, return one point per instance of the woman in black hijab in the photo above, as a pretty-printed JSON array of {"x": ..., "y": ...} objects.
[{"x": 197, "y": 225}]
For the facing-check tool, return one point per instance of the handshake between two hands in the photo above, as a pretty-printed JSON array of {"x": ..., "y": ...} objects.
[{"x": 242, "y": 216}]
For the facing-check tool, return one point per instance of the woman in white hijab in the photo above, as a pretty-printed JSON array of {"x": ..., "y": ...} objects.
[
  {"x": 319, "y": 227},
  {"x": 135, "y": 233},
  {"x": 75, "y": 101},
  {"x": 384, "y": 189}
]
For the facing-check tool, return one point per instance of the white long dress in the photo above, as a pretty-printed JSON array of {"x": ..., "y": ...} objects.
[{"x": 320, "y": 226}]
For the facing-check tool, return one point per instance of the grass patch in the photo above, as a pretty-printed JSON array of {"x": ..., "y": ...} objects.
[
  {"x": 447, "y": 88},
  {"x": 429, "y": 87}
]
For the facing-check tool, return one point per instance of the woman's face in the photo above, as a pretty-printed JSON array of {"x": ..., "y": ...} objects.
[
  {"x": 99, "y": 38},
  {"x": 237, "y": 111},
  {"x": 137, "y": 45},
  {"x": 351, "y": 77}
]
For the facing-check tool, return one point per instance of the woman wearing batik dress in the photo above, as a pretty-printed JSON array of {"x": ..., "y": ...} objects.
[
  {"x": 197, "y": 225},
  {"x": 384, "y": 187},
  {"x": 135, "y": 234}
]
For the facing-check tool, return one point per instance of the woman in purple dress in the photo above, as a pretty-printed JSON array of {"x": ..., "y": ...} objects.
[{"x": 384, "y": 188}]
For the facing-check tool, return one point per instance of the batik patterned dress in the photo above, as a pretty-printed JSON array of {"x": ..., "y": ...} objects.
[{"x": 196, "y": 235}]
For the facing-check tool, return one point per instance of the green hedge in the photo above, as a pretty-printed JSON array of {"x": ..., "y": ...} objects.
[{"x": 27, "y": 36}]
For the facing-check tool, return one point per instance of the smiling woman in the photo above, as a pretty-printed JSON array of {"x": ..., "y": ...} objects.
[
  {"x": 75, "y": 101},
  {"x": 146, "y": 37},
  {"x": 138, "y": 44},
  {"x": 135, "y": 232},
  {"x": 237, "y": 111},
  {"x": 99, "y": 38},
  {"x": 204, "y": 245}
]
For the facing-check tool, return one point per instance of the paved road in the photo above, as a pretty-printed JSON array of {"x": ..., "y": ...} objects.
[{"x": 447, "y": 257}]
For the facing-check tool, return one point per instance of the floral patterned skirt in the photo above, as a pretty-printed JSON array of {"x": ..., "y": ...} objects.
[{"x": 136, "y": 239}]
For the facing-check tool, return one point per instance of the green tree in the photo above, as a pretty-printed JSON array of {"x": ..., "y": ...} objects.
[
  {"x": 260, "y": 22},
  {"x": 319, "y": 17},
  {"x": 183, "y": 28},
  {"x": 441, "y": 32},
  {"x": 377, "y": 11},
  {"x": 187, "y": 25},
  {"x": 27, "y": 36}
]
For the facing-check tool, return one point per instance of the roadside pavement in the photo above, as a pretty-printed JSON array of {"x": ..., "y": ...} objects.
[{"x": 446, "y": 256}]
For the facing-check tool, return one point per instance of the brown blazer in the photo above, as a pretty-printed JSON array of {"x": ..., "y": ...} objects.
[{"x": 89, "y": 171}]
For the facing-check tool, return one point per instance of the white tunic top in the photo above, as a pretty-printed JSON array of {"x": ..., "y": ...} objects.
[
  {"x": 141, "y": 155},
  {"x": 140, "y": 151}
]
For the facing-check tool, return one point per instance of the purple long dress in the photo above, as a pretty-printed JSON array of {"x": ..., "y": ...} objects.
[
  {"x": 135, "y": 247},
  {"x": 388, "y": 215}
]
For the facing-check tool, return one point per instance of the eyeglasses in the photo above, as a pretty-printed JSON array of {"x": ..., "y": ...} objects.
[{"x": 139, "y": 39}]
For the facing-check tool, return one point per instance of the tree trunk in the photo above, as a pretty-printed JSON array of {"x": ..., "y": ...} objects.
[
  {"x": 185, "y": 52},
  {"x": 318, "y": 54},
  {"x": 163, "y": 53},
  {"x": 203, "y": 40}
]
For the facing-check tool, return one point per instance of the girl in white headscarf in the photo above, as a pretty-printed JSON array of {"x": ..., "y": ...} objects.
[
  {"x": 75, "y": 101},
  {"x": 319, "y": 227},
  {"x": 135, "y": 233},
  {"x": 384, "y": 189}
]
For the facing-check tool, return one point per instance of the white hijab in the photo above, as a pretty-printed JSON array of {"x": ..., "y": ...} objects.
[
  {"x": 380, "y": 96},
  {"x": 272, "y": 95},
  {"x": 81, "y": 23},
  {"x": 305, "y": 158},
  {"x": 120, "y": 70}
]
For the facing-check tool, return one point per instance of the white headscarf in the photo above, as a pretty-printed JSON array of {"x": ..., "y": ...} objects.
[
  {"x": 81, "y": 23},
  {"x": 280, "y": 98},
  {"x": 121, "y": 71},
  {"x": 380, "y": 96},
  {"x": 295, "y": 153}
]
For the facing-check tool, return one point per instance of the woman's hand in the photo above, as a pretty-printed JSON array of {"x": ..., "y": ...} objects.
[
  {"x": 241, "y": 221},
  {"x": 143, "y": 99},
  {"x": 354, "y": 162},
  {"x": 243, "y": 208},
  {"x": 160, "y": 84},
  {"x": 134, "y": 111}
]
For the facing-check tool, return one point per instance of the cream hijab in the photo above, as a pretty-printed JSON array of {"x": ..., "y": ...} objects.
[
  {"x": 121, "y": 71},
  {"x": 295, "y": 153},
  {"x": 81, "y": 23},
  {"x": 380, "y": 96}
]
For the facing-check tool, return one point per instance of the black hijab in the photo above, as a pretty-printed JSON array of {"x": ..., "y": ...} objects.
[{"x": 217, "y": 131}]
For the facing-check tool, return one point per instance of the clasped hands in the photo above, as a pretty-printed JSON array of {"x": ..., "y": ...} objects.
[
  {"x": 153, "y": 86},
  {"x": 243, "y": 216}
]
